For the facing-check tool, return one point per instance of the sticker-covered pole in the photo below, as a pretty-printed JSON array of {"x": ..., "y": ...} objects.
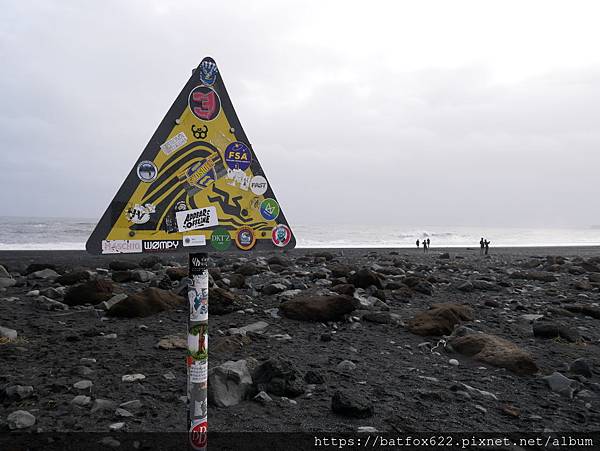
[{"x": 197, "y": 352}]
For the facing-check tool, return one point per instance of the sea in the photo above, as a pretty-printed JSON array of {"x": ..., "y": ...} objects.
[{"x": 19, "y": 233}]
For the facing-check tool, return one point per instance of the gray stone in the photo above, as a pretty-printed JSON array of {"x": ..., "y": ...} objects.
[
  {"x": 561, "y": 384},
  {"x": 50, "y": 304},
  {"x": 20, "y": 419},
  {"x": 103, "y": 404},
  {"x": 19, "y": 391},
  {"x": 346, "y": 365},
  {"x": 81, "y": 400},
  {"x": 11, "y": 334},
  {"x": 131, "y": 405},
  {"x": 133, "y": 377},
  {"x": 44, "y": 274},
  {"x": 258, "y": 327},
  {"x": 83, "y": 385},
  {"x": 228, "y": 383},
  {"x": 453, "y": 362},
  {"x": 7, "y": 282},
  {"x": 141, "y": 275},
  {"x": 4, "y": 274},
  {"x": 262, "y": 397},
  {"x": 123, "y": 413},
  {"x": 116, "y": 426},
  {"x": 582, "y": 367},
  {"x": 351, "y": 404}
]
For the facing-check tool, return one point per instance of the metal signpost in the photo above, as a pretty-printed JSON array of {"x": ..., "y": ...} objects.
[{"x": 198, "y": 187}]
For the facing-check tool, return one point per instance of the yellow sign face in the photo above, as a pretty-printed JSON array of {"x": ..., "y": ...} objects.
[{"x": 197, "y": 186}]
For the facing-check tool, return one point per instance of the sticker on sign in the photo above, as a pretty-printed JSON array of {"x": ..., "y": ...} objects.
[
  {"x": 200, "y": 218},
  {"x": 174, "y": 143},
  {"x": 121, "y": 246},
  {"x": 194, "y": 240}
]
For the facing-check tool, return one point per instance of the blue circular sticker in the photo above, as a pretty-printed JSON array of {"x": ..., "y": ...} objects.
[{"x": 238, "y": 156}]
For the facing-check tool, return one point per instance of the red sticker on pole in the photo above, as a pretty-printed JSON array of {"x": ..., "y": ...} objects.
[{"x": 199, "y": 434}]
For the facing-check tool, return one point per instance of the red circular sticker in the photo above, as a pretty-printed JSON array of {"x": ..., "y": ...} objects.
[
  {"x": 281, "y": 235},
  {"x": 245, "y": 239},
  {"x": 204, "y": 103},
  {"x": 199, "y": 434}
]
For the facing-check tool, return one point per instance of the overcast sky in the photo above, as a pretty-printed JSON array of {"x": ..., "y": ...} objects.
[{"x": 398, "y": 112}]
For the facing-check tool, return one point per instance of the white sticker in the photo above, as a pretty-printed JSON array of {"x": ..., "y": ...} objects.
[
  {"x": 194, "y": 240},
  {"x": 258, "y": 185},
  {"x": 200, "y": 218},
  {"x": 121, "y": 246},
  {"x": 198, "y": 297},
  {"x": 140, "y": 214},
  {"x": 199, "y": 372},
  {"x": 174, "y": 143},
  {"x": 237, "y": 177}
]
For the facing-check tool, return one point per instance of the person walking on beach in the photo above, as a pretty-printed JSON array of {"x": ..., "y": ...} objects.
[
  {"x": 481, "y": 246},
  {"x": 424, "y": 246},
  {"x": 428, "y": 243},
  {"x": 487, "y": 247},
  {"x": 418, "y": 243}
]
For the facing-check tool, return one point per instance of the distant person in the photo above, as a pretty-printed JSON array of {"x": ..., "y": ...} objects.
[
  {"x": 424, "y": 246},
  {"x": 428, "y": 243},
  {"x": 481, "y": 245},
  {"x": 487, "y": 247},
  {"x": 418, "y": 242}
]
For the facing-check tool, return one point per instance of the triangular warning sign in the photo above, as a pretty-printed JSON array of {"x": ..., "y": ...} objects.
[{"x": 198, "y": 185}]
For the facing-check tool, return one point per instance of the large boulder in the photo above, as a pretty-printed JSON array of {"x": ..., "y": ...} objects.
[
  {"x": 278, "y": 377},
  {"x": 145, "y": 303},
  {"x": 222, "y": 301},
  {"x": 228, "y": 383},
  {"x": 494, "y": 351},
  {"x": 317, "y": 308},
  {"x": 364, "y": 278},
  {"x": 90, "y": 292},
  {"x": 440, "y": 319}
]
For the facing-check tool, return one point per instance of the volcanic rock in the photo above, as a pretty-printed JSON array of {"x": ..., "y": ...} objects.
[
  {"x": 364, "y": 278},
  {"x": 222, "y": 301},
  {"x": 440, "y": 319},
  {"x": 145, "y": 303},
  {"x": 494, "y": 351},
  {"x": 278, "y": 377},
  {"x": 317, "y": 308},
  {"x": 351, "y": 404},
  {"x": 90, "y": 292}
]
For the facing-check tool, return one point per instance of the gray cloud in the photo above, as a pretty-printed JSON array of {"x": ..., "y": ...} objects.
[{"x": 345, "y": 137}]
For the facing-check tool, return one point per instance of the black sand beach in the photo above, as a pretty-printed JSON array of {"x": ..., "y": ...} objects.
[{"x": 344, "y": 350}]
